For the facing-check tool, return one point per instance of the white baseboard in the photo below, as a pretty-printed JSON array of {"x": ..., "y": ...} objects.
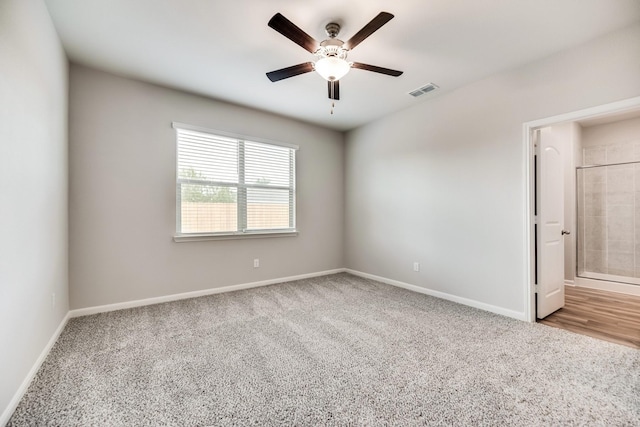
[
  {"x": 175, "y": 297},
  {"x": 13, "y": 404},
  {"x": 194, "y": 294},
  {"x": 569, "y": 282},
  {"x": 460, "y": 300}
]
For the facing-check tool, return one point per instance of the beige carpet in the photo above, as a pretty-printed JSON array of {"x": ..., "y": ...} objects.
[{"x": 334, "y": 350}]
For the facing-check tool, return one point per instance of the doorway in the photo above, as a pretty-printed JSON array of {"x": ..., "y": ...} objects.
[{"x": 554, "y": 256}]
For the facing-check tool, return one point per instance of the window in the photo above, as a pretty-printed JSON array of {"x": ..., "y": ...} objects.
[{"x": 232, "y": 186}]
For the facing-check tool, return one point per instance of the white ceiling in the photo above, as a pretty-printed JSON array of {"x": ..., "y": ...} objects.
[{"x": 223, "y": 48}]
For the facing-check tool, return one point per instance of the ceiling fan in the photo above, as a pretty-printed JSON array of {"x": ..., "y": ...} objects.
[{"x": 332, "y": 53}]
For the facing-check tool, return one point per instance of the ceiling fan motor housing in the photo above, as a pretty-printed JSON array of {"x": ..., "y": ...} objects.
[{"x": 332, "y": 29}]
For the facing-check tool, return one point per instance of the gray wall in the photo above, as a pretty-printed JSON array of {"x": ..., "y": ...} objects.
[
  {"x": 33, "y": 189},
  {"x": 122, "y": 195},
  {"x": 620, "y": 133},
  {"x": 443, "y": 183}
]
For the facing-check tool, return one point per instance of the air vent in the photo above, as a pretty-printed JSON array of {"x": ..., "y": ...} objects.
[{"x": 424, "y": 89}]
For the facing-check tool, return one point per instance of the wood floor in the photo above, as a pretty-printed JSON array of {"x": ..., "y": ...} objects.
[{"x": 610, "y": 316}]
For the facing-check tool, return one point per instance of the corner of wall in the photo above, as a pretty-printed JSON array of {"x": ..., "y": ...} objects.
[{"x": 34, "y": 248}]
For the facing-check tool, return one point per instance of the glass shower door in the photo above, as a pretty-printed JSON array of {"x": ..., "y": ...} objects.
[{"x": 608, "y": 239}]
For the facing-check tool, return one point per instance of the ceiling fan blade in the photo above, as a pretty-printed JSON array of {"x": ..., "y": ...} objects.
[
  {"x": 292, "y": 32},
  {"x": 334, "y": 89},
  {"x": 294, "y": 70},
  {"x": 375, "y": 69},
  {"x": 373, "y": 26}
]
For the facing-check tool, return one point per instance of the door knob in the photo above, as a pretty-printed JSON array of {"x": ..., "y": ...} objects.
[{"x": 565, "y": 232}]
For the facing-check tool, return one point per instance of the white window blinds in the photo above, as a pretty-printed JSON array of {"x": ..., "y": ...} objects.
[{"x": 233, "y": 186}]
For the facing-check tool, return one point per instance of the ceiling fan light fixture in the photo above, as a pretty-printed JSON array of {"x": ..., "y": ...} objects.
[{"x": 332, "y": 68}]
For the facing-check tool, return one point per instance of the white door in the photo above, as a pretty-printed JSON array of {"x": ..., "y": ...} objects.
[{"x": 550, "y": 223}]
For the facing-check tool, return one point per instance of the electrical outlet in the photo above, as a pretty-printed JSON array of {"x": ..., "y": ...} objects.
[
  {"x": 256, "y": 263},
  {"x": 53, "y": 300},
  {"x": 416, "y": 266}
]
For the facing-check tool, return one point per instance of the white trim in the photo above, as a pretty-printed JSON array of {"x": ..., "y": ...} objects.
[
  {"x": 449, "y": 297},
  {"x": 569, "y": 282},
  {"x": 13, "y": 404},
  {"x": 587, "y": 113},
  {"x": 194, "y": 294},
  {"x": 528, "y": 127},
  {"x": 184, "y": 126},
  {"x": 529, "y": 278},
  {"x": 232, "y": 236}
]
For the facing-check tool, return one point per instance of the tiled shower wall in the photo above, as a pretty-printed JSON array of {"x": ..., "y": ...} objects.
[{"x": 608, "y": 210}]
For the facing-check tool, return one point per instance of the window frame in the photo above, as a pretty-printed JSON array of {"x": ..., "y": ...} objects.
[{"x": 241, "y": 187}]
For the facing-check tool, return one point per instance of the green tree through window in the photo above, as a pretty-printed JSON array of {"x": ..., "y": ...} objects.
[{"x": 195, "y": 193}]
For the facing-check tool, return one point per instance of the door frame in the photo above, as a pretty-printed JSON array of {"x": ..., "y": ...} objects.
[{"x": 528, "y": 129}]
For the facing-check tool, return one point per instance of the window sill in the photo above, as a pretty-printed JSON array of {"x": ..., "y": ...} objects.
[{"x": 232, "y": 236}]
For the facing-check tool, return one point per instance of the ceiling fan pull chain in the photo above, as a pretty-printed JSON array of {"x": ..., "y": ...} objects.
[{"x": 333, "y": 104}]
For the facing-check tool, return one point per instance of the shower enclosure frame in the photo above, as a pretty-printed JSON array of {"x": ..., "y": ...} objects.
[{"x": 609, "y": 277}]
